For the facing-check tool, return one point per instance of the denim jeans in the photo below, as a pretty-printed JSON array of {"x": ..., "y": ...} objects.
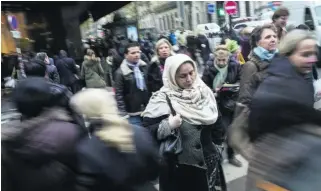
[{"x": 135, "y": 120}]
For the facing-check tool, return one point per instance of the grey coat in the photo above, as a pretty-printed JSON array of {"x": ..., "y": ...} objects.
[{"x": 198, "y": 166}]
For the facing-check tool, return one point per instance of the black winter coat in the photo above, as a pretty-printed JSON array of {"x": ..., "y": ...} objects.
[
  {"x": 285, "y": 98},
  {"x": 130, "y": 99},
  {"x": 210, "y": 72},
  {"x": 67, "y": 70},
  {"x": 102, "y": 167},
  {"x": 154, "y": 75}
]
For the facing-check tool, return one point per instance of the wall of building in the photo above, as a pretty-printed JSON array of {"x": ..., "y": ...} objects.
[
  {"x": 8, "y": 43},
  {"x": 194, "y": 15}
]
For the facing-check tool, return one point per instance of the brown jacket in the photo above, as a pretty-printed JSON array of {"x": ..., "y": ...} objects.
[{"x": 252, "y": 74}]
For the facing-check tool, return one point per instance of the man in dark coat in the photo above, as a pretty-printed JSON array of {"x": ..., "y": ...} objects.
[
  {"x": 130, "y": 84},
  {"x": 68, "y": 72}
]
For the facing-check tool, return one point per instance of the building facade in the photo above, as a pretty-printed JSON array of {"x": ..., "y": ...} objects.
[{"x": 168, "y": 15}]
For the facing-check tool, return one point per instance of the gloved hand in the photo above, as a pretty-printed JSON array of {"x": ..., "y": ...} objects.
[{"x": 175, "y": 121}]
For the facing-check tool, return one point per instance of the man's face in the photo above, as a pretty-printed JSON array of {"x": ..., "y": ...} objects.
[
  {"x": 133, "y": 54},
  {"x": 47, "y": 60},
  {"x": 282, "y": 21}
]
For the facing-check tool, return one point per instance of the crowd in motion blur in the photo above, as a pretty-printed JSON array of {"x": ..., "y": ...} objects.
[{"x": 175, "y": 104}]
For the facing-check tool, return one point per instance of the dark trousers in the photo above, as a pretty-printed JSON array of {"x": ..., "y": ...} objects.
[
  {"x": 226, "y": 121},
  {"x": 75, "y": 87}
]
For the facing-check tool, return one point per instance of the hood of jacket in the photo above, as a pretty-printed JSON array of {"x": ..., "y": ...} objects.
[
  {"x": 284, "y": 99},
  {"x": 88, "y": 61},
  {"x": 282, "y": 66}
]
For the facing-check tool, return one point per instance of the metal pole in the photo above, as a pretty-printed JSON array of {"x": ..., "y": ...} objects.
[{"x": 230, "y": 23}]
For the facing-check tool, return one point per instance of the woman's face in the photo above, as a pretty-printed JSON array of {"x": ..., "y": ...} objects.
[
  {"x": 164, "y": 50},
  {"x": 185, "y": 76},
  {"x": 304, "y": 56},
  {"x": 268, "y": 40}
]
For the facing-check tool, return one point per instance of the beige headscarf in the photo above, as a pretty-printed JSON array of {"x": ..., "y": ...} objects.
[
  {"x": 197, "y": 105},
  {"x": 100, "y": 104}
]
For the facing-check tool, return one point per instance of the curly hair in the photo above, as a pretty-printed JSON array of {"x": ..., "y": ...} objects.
[{"x": 257, "y": 33}]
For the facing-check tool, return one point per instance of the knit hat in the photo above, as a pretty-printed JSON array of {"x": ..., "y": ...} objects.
[{"x": 232, "y": 46}]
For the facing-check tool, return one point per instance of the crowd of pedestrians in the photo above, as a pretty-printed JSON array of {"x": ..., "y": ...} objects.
[{"x": 169, "y": 117}]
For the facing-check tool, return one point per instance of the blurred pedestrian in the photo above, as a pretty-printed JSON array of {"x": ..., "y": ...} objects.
[
  {"x": 116, "y": 152},
  {"x": 38, "y": 153},
  {"x": 280, "y": 20},
  {"x": 92, "y": 71},
  {"x": 51, "y": 68},
  {"x": 245, "y": 38},
  {"x": 303, "y": 27},
  {"x": 283, "y": 119},
  {"x": 68, "y": 71}
]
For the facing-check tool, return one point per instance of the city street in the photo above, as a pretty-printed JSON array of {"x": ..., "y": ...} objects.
[{"x": 235, "y": 177}]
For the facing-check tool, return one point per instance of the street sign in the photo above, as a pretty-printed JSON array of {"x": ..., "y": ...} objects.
[
  {"x": 210, "y": 8},
  {"x": 13, "y": 22},
  {"x": 230, "y": 7}
]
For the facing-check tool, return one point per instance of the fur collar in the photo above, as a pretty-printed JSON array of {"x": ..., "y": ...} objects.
[
  {"x": 126, "y": 69},
  {"x": 90, "y": 58}
]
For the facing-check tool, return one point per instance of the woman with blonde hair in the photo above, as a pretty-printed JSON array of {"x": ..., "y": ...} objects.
[
  {"x": 92, "y": 71},
  {"x": 155, "y": 71},
  {"x": 283, "y": 122},
  {"x": 219, "y": 71},
  {"x": 112, "y": 156}
]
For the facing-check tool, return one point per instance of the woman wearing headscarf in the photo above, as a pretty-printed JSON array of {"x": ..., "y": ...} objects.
[
  {"x": 264, "y": 48},
  {"x": 197, "y": 167},
  {"x": 283, "y": 122},
  {"x": 155, "y": 70},
  {"x": 116, "y": 156}
]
